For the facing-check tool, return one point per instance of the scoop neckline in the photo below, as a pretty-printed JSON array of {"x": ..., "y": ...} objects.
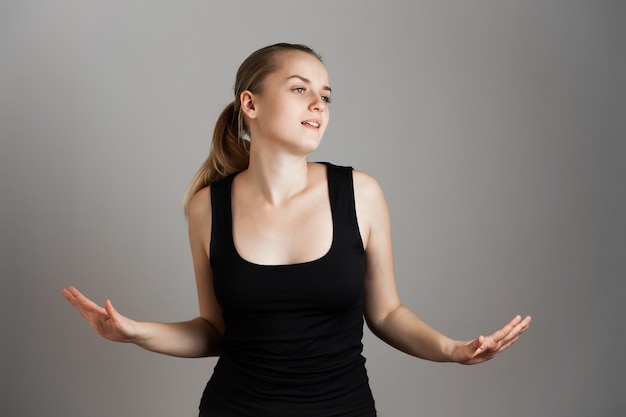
[{"x": 296, "y": 264}]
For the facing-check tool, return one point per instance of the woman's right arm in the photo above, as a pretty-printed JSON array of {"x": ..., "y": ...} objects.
[{"x": 198, "y": 337}]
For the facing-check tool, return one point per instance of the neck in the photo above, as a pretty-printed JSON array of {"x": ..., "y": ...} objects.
[{"x": 275, "y": 177}]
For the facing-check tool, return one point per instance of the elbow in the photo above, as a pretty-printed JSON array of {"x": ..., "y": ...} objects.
[
  {"x": 377, "y": 320},
  {"x": 212, "y": 338}
]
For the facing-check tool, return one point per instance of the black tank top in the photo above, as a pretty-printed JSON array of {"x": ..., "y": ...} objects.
[{"x": 292, "y": 345}]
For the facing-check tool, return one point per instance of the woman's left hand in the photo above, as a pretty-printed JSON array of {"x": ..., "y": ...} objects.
[{"x": 484, "y": 348}]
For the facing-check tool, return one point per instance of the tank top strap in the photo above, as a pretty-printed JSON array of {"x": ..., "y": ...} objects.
[
  {"x": 341, "y": 194},
  {"x": 221, "y": 217}
]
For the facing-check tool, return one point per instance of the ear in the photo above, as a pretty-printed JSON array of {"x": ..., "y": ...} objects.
[{"x": 247, "y": 100}]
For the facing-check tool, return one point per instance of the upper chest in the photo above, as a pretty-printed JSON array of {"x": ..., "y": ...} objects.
[{"x": 300, "y": 230}]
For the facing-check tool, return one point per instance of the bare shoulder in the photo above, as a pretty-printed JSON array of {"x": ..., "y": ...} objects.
[
  {"x": 366, "y": 188},
  {"x": 371, "y": 206},
  {"x": 200, "y": 207}
]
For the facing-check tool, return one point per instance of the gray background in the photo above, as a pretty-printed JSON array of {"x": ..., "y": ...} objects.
[{"x": 495, "y": 127}]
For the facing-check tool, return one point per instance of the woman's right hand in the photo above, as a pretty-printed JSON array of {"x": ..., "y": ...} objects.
[{"x": 106, "y": 321}]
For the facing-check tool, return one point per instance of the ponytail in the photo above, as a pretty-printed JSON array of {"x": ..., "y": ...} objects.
[{"x": 230, "y": 153}]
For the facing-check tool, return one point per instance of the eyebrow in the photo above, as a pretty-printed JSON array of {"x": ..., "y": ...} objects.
[{"x": 306, "y": 80}]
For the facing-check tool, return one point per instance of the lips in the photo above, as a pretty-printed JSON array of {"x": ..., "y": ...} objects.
[{"x": 312, "y": 123}]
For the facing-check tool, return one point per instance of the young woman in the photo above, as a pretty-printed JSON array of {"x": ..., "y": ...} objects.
[{"x": 290, "y": 257}]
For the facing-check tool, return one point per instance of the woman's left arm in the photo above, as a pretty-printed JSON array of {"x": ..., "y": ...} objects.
[{"x": 385, "y": 314}]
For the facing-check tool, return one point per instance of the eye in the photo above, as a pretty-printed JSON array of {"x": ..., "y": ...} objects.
[
  {"x": 299, "y": 90},
  {"x": 326, "y": 99}
]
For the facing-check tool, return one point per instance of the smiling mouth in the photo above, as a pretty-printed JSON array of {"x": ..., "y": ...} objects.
[{"x": 311, "y": 123}]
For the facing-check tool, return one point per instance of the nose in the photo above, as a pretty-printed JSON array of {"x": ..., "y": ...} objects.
[{"x": 318, "y": 104}]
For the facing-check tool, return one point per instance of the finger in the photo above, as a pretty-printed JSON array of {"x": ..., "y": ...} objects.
[
  {"x": 520, "y": 327},
  {"x": 478, "y": 350},
  {"x": 508, "y": 344},
  {"x": 517, "y": 331},
  {"x": 111, "y": 311},
  {"x": 77, "y": 298},
  {"x": 479, "y": 343},
  {"x": 501, "y": 334},
  {"x": 87, "y": 308},
  {"x": 69, "y": 295},
  {"x": 476, "y": 347},
  {"x": 525, "y": 323}
]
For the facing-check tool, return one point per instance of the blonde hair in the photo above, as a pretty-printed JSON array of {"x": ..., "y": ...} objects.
[{"x": 230, "y": 151}]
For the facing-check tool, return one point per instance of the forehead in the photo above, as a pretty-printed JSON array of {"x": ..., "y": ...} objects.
[{"x": 303, "y": 64}]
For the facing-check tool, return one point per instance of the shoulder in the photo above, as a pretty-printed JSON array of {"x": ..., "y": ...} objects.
[
  {"x": 199, "y": 222},
  {"x": 364, "y": 184},
  {"x": 371, "y": 207},
  {"x": 200, "y": 206},
  {"x": 366, "y": 188}
]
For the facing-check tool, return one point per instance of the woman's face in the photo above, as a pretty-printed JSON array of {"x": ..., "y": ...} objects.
[{"x": 291, "y": 111}]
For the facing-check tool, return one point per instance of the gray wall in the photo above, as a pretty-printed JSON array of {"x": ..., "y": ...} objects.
[{"x": 495, "y": 127}]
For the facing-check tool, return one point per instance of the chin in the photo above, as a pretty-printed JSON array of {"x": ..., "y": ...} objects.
[
  {"x": 304, "y": 144},
  {"x": 311, "y": 146}
]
